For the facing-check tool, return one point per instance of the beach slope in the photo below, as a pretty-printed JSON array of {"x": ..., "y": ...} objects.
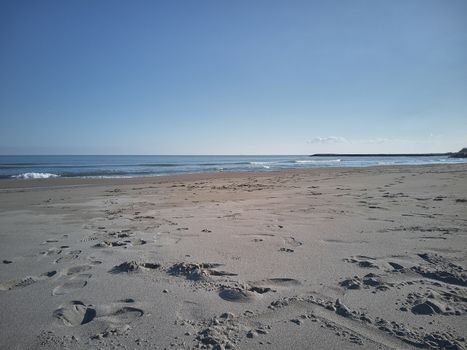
[{"x": 342, "y": 258}]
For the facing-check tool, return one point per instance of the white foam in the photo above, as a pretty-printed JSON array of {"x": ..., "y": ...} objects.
[
  {"x": 264, "y": 165},
  {"x": 35, "y": 176},
  {"x": 113, "y": 176},
  {"x": 317, "y": 161},
  {"x": 261, "y": 163}
]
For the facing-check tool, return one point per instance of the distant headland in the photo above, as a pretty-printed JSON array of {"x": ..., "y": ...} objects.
[{"x": 461, "y": 154}]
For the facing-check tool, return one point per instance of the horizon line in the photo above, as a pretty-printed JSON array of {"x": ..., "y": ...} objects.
[{"x": 218, "y": 155}]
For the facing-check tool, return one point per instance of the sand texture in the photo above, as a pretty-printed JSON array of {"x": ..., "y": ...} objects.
[{"x": 371, "y": 258}]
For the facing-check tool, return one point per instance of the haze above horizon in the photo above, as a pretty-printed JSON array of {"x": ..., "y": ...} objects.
[{"x": 212, "y": 77}]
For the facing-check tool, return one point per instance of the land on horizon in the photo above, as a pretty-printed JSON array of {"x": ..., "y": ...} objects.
[{"x": 461, "y": 153}]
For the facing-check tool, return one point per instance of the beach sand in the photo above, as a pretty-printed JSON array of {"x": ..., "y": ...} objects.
[{"x": 369, "y": 258}]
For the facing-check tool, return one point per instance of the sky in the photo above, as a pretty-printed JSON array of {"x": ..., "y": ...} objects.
[{"x": 232, "y": 77}]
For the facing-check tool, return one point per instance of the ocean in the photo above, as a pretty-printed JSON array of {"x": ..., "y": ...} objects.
[{"x": 33, "y": 167}]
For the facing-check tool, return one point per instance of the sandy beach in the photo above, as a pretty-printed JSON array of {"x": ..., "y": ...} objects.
[{"x": 342, "y": 258}]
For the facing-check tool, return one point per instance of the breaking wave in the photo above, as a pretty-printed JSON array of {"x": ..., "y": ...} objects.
[{"x": 35, "y": 176}]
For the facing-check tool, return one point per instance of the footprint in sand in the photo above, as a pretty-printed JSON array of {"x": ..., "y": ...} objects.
[
  {"x": 253, "y": 291},
  {"x": 237, "y": 295},
  {"x": 78, "y": 279},
  {"x": 428, "y": 301},
  {"x": 441, "y": 269},
  {"x": 376, "y": 263},
  {"x": 55, "y": 250},
  {"x": 125, "y": 314},
  {"x": 368, "y": 281},
  {"x": 292, "y": 243},
  {"x": 26, "y": 281},
  {"x": 76, "y": 313},
  {"x": 71, "y": 255},
  {"x": 70, "y": 286},
  {"x": 52, "y": 251},
  {"x": 75, "y": 270}
]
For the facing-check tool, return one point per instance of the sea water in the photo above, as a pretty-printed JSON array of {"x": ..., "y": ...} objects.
[{"x": 30, "y": 167}]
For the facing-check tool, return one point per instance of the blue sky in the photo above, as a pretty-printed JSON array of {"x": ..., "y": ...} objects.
[{"x": 232, "y": 77}]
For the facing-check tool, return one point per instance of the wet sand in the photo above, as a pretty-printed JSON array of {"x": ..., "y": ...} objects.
[{"x": 369, "y": 258}]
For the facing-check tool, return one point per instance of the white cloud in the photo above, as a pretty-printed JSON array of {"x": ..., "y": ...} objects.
[
  {"x": 328, "y": 139},
  {"x": 375, "y": 140},
  {"x": 418, "y": 144}
]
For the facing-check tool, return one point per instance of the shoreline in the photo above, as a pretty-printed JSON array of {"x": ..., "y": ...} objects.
[{"x": 65, "y": 182}]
